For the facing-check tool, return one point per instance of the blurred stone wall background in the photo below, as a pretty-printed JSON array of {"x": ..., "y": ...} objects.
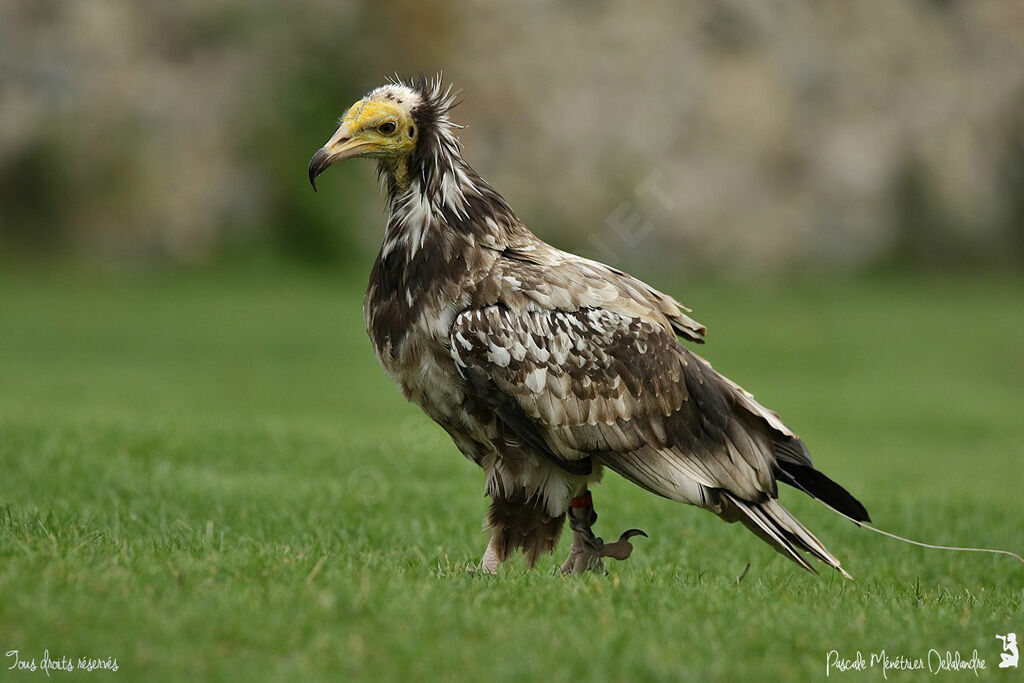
[{"x": 737, "y": 135}]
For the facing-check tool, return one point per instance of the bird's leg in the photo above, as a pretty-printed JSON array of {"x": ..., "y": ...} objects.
[
  {"x": 518, "y": 522},
  {"x": 587, "y": 549},
  {"x": 491, "y": 559}
]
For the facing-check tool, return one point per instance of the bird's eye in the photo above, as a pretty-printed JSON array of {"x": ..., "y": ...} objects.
[{"x": 388, "y": 127}]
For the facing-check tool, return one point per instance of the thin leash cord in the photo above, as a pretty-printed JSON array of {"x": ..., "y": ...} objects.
[{"x": 994, "y": 551}]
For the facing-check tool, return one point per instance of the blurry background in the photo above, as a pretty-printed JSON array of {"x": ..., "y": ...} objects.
[{"x": 737, "y": 136}]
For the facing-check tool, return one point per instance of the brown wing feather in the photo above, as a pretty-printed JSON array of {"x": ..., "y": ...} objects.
[
  {"x": 595, "y": 382},
  {"x": 535, "y": 275}
]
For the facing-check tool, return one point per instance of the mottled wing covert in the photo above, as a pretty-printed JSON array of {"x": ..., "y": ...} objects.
[{"x": 594, "y": 383}]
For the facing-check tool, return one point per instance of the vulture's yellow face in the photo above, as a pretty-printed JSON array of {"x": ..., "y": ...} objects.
[{"x": 379, "y": 126}]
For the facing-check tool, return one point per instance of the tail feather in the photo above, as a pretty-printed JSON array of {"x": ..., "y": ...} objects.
[
  {"x": 779, "y": 528},
  {"x": 817, "y": 485}
]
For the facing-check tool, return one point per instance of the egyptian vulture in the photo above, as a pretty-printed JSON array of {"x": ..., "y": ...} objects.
[{"x": 545, "y": 367}]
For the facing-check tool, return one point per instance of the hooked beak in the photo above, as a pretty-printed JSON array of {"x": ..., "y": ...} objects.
[{"x": 343, "y": 145}]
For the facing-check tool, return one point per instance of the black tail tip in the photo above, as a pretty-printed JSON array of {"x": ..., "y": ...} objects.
[{"x": 817, "y": 485}]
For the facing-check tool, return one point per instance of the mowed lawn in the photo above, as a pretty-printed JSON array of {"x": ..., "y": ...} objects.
[{"x": 207, "y": 476}]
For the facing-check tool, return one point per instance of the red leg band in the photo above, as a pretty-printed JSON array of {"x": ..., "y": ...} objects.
[{"x": 583, "y": 501}]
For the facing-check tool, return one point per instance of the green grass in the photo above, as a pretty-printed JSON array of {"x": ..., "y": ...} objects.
[{"x": 207, "y": 476}]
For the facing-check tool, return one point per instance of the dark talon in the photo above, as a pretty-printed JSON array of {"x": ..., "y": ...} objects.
[{"x": 629, "y": 533}]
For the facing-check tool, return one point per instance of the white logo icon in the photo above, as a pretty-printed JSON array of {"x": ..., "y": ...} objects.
[{"x": 1009, "y": 646}]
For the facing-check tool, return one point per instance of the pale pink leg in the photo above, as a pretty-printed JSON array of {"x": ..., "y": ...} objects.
[{"x": 490, "y": 561}]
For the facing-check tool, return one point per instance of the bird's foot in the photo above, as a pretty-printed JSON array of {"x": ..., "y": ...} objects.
[{"x": 587, "y": 549}]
